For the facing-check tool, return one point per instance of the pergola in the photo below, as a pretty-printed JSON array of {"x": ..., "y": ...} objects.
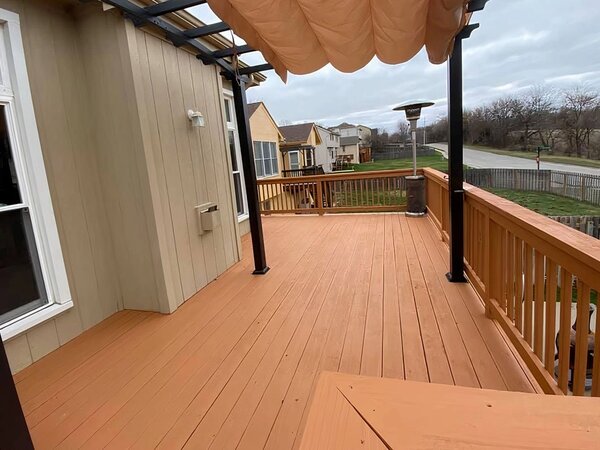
[{"x": 301, "y": 36}]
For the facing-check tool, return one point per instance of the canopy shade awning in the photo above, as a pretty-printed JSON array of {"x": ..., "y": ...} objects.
[{"x": 301, "y": 36}]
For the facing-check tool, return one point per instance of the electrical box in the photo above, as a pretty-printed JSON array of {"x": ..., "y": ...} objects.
[{"x": 207, "y": 217}]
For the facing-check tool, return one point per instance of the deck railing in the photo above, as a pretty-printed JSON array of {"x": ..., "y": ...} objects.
[
  {"x": 536, "y": 276},
  {"x": 334, "y": 193},
  {"x": 306, "y": 171}
]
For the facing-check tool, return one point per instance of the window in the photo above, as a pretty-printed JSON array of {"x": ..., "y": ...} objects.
[
  {"x": 294, "y": 160},
  {"x": 236, "y": 159},
  {"x": 265, "y": 159},
  {"x": 33, "y": 282},
  {"x": 309, "y": 158}
]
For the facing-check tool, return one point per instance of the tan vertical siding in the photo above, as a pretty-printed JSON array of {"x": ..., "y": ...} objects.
[
  {"x": 125, "y": 167},
  {"x": 191, "y": 164},
  {"x": 61, "y": 103}
]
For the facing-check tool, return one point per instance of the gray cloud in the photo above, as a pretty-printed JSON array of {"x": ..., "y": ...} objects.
[{"x": 520, "y": 43}]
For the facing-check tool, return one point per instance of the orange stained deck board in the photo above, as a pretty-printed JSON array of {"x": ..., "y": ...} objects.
[
  {"x": 237, "y": 364},
  {"x": 357, "y": 412}
]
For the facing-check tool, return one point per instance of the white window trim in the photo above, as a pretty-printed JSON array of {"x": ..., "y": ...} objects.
[
  {"x": 15, "y": 83},
  {"x": 232, "y": 126}
]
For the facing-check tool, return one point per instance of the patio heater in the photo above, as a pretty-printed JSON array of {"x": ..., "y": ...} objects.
[{"x": 415, "y": 184}]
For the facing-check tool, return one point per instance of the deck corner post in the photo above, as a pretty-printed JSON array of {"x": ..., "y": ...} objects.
[
  {"x": 243, "y": 125},
  {"x": 455, "y": 163}
]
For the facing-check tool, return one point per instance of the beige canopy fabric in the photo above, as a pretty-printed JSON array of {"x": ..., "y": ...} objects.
[{"x": 301, "y": 36}]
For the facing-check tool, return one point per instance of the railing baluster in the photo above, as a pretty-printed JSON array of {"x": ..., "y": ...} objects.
[
  {"x": 564, "y": 334},
  {"x": 551, "y": 276},
  {"x": 528, "y": 307},
  {"x": 510, "y": 275},
  {"x": 519, "y": 284},
  {"x": 596, "y": 366},
  {"x": 538, "y": 328},
  {"x": 581, "y": 338}
]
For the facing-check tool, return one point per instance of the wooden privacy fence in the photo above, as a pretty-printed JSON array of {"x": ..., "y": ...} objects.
[
  {"x": 383, "y": 190},
  {"x": 589, "y": 225},
  {"x": 577, "y": 186},
  {"x": 531, "y": 272},
  {"x": 404, "y": 152}
]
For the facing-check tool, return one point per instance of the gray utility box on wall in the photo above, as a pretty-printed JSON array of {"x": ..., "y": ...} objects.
[
  {"x": 415, "y": 193},
  {"x": 207, "y": 217}
]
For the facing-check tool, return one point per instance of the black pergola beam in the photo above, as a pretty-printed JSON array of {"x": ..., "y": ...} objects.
[
  {"x": 140, "y": 17},
  {"x": 206, "y": 30},
  {"x": 170, "y": 6},
  {"x": 476, "y": 5},
  {"x": 253, "y": 69},
  {"x": 236, "y": 50}
]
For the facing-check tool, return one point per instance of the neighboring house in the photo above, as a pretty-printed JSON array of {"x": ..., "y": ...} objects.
[
  {"x": 326, "y": 152},
  {"x": 268, "y": 158},
  {"x": 355, "y": 143},
  {"x": 101, "y": 171},
  {"x": 298, "y": 149}
]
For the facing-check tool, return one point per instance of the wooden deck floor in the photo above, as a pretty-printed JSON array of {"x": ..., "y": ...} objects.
[{"x": 235, "y": 366}]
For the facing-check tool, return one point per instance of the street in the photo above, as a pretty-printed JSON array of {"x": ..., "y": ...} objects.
[{"x": 484, "y": 160}]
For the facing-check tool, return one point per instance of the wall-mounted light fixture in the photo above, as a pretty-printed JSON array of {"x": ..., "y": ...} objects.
[{"x": 196, "y": 118}]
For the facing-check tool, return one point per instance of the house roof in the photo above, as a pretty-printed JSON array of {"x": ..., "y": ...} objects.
[
  {"x": 349, "y": 140},
  {"x": 253, "y": 107},
  {"x": 297, "y": 133},
  {"x": 344, "y": 125},
  {"x": 328, "y": 130}
]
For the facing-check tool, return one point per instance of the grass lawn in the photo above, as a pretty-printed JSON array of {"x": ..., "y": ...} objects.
[
  {"x": 548, "y": 204},
  {"x": 436, "y": 161},
  {"x": 544, "y": 156}
]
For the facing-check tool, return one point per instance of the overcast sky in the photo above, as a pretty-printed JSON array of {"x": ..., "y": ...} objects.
[{"x": 520, "y": 43}]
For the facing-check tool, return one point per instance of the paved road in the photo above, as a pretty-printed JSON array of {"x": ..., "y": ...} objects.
[{"x": 483, "y": 160}]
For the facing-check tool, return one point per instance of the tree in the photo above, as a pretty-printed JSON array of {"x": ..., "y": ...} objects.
[
  {"x": 403, "y": 131},
  {"x": 578, "y": 115},
  {"x": 534, "y": 112}
]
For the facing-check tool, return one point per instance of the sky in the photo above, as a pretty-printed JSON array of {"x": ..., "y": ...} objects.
[{"x": 519, "y": 44}]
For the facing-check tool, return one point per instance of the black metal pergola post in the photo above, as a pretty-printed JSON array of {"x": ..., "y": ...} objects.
[
  {"x": 455, "y": 158},
  {"x": 243, "y": 125},
  {"x": 13, "y": 427}
]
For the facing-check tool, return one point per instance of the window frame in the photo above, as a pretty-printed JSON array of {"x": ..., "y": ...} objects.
[
  {"x": 15, "y": 94},
  {"x": 271, "y": 146},
  {"x": 231, "y": 125}
]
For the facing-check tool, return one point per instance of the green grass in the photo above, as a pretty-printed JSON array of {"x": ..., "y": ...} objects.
[
  {"x": 434, "y": 161},
  {"x": 548, "y": 204},
  {"x": 545, "y": 157}
]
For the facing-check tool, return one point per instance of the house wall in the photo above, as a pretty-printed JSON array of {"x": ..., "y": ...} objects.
[
  {"x": 187, "y": 166},
  {"x": 263, "y": 129},
  {"x": 125, "y": 167},
  {"x": 350, "y": 150},
  {"x": 323, "y": 150},
  {"x": 61, "y": 103}
]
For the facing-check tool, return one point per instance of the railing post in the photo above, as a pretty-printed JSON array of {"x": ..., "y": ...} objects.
[
  {"x": 319, "y": 199},
  {"x": 243, "y": 124},
  {"x": 487, "y": 269}
]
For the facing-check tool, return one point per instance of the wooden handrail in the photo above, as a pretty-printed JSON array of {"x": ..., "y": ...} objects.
[{"x": 523, "y": 264}]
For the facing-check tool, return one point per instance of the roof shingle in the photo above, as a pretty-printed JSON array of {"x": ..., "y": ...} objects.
[{"x": 297, "y": 133}]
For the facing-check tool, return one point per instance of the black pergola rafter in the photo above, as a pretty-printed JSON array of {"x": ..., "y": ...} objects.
[
  {"x": 170, "y": 6},
  {"x": 149, "y": 15}
]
